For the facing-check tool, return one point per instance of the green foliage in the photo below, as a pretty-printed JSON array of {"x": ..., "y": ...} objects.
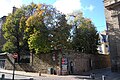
[
  {"x": 86, "y": 37},
  {"x": 8, "y": 47},
  {"x": 60, "y": 33},
  {"x": 42, "y": 28},
  {"x": 39, "y": 27},
  {"x": 59, "y": 30},
  {"x": 13, "y": 30},
  {"x": 38, "y": 34},
  {"x": 47, "y": 28},
  {"x": 38, "y": 43}
]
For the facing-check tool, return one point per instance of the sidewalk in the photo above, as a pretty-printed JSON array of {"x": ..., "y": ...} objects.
[
  {"x": 106, "y": 72},
  {"x": 98, "y": 74},
  {"x": 23, "y": 73},
  {"x": 30, "y": 74}
]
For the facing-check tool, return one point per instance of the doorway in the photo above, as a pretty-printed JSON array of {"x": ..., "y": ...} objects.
[{"x": 71, "y": 68}]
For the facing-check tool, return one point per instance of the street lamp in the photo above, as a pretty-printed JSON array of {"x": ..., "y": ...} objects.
[{"x": 15, "y": 56}]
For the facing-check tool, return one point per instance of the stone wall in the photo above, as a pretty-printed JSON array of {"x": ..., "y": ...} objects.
[
  {"x": 101, "y": 61},
  {"x": 37, "y": 63},
  {"x": 81, "y": 62},
  {"x": 85, "y": 62}
]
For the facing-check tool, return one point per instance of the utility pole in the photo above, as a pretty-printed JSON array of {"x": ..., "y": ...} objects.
[
  {"x": 13, "y": 70},
  {"x": 15, "y": 56}
]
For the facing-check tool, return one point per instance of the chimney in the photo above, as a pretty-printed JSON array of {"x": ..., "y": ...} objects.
[{"x": 14, "y": 9}]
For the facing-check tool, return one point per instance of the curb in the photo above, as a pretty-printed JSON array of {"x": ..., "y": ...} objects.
[
  {"x": 26, "y": 74},
  {"x": 6, "y": 72}
]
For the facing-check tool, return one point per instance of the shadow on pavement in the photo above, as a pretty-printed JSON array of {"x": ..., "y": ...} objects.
[
  {"x": 15, "y": 79},
  {"x": 82, "y": 78},
  {"x": 101, "y": 74}
]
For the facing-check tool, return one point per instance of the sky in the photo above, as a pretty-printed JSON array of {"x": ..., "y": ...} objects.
[{"x": 93, "y": 9}]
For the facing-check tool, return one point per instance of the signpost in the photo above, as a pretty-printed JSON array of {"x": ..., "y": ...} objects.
[
  {"x": 54, "y": 58},
  {"x": 64, "y": 66},
  {"x": 15, "y": 55}
]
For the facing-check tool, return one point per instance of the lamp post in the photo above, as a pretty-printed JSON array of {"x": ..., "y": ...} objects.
[
  {"x": 15, "y": 55},
  {"x": 53, "y": 57}
]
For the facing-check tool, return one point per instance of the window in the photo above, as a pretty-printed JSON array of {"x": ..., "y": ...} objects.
[
  {"x": 25, "y": 58},
  {"x": 119, "y": 19}
]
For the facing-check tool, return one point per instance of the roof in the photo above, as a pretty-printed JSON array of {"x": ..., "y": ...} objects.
[
  {"x": 113, "y": 6},
  {"x": 5, "y": 53}
]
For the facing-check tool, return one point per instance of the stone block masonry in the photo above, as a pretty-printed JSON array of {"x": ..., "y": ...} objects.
[{"x": 43, "y": 62}]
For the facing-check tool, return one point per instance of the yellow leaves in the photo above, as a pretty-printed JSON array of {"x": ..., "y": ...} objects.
[
  {"x": 39, "y": 11},
  {"x": 22, "y": 22},
  {"x": 28, "y": 22},
  {"x": 27, "y": 29},
  {"x": 34, "y": 21},
  {"x": 37, "y": 16},
  {"x": 39, "y": 6},
  {"x": 33, "y": 5}
]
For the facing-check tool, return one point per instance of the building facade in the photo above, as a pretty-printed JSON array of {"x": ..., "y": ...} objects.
[
  {"x": 103, "y": 48},
  {"x": 2, "y": 40},
  {"x": 112, "y": 13}
]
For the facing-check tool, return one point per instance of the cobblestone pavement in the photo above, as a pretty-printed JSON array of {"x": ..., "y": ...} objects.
[
  {"x": 100, "y": 74},
  {"x": 108, "y": 75},
  {"x": 16, "y": 77},
  {"x": 63, "y": 78}
]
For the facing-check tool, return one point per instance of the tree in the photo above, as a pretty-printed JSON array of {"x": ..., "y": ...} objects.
[
  {"x": 38, "y": 34},
  {"x": 35, "y": 27},
  {"x": 85, "y": 37},
  {"x": 11, "y": 30},
  {"x": 59, "y": 30},
  {"x": 14, "y": 30},
  {"x": 47, "y": 28}
]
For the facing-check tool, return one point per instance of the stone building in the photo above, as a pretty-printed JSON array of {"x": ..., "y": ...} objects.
[
  {"x": 112, "y": 13},
  {"x": 2, "y": 40},
  {"x": 103, "y": 48}
]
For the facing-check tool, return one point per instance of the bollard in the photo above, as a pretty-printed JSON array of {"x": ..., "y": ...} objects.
[
  {"x": 3, "y": 77},
  {"x": 39, "y": 73},
  {"x": 103, "y": 77}
]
